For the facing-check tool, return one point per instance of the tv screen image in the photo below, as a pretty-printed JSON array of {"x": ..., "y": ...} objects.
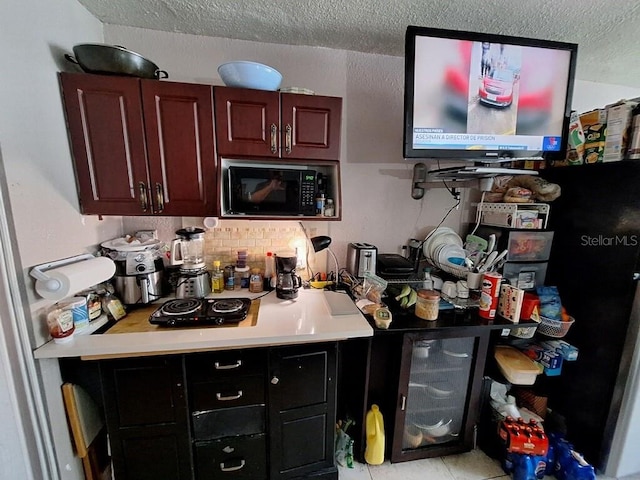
[{"x": 477, "y": 96}]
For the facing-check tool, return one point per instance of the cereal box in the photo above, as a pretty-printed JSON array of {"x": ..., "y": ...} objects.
[
  {"x": 618, "y": 123},
  {"x": 575, "y": 155},
  {"x": 594, "y": 125}
]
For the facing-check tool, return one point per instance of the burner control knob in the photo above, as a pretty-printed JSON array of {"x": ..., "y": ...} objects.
[
  {"x": 171, "y": 322},
  {"x": 219, "y": 321}
]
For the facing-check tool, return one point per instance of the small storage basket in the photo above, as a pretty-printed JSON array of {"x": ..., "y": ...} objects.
[{"x": 554, "y": 328}]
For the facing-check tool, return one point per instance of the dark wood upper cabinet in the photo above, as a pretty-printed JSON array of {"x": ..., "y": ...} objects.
[
  {"x": 106, "y": 129},
  {"x": 247, "y": 122},
  {"x": 179, "y": 133},
  {"x": 311, "y": 126},
  {"x": 141, "y": 147},
  {"x": 273, "y": 125}
]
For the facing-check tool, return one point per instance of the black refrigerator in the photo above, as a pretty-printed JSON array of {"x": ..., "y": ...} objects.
[{"x": 593, "y": 260}]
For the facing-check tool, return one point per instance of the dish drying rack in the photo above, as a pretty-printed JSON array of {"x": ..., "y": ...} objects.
[{"x": 458, "y": 271}]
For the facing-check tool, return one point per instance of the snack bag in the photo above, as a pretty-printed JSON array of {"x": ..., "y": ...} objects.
[{"x": 550, "y": 303}]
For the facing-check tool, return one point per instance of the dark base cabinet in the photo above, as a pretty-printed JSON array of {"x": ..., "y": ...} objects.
[
  {"x": 242, "y": 457},
  {"x": 428, "y": 386},
  {"x": 242, "y": 414},
  {"x": 302, "y": 397},
  {"x": 147, "y": 418}
]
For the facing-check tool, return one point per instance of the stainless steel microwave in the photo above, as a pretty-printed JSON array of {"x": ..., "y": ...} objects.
[{"x": 271, "y": 190}]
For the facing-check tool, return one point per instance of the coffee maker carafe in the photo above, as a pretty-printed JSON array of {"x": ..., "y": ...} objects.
[
  {"x": 188, "y": 251},
  {"x": 287, "y": 282}
]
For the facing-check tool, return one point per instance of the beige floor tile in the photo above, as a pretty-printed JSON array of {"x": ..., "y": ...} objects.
[
  {"x": 428, "y": 468},
  {"x": 360, "y": 471},
  {"x": 473, "y": 465}
]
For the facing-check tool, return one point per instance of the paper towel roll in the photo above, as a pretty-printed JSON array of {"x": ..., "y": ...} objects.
[{"x": 69, "y": 279}]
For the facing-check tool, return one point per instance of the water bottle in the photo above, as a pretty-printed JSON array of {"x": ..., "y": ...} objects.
[{"x": 427, "y": 281}]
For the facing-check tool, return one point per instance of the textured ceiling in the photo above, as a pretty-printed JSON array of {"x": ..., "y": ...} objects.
[{"x": 607, "y": 33}]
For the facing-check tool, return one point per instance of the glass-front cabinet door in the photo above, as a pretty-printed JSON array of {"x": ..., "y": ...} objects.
[{"x": 438, "y": 395}]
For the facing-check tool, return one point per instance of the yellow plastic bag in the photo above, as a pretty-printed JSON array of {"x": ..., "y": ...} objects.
[{"x": 374, "y": 451}]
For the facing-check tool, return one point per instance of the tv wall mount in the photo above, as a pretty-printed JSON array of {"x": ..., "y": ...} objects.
[{"x": 422, "y": 176}]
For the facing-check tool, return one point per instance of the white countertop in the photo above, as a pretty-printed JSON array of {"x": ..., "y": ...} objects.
[{"x": 280, "y": 322}]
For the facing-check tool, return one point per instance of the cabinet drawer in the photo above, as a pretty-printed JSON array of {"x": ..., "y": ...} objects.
[
  {"x": 207, "y": 366},
  {"x": 234, "y": 457},
  {"x": 228, "y": 392},
  {"x": 228, "y": 422}
]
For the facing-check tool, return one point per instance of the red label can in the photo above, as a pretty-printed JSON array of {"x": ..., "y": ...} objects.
[{"x": 489, "y": 294}]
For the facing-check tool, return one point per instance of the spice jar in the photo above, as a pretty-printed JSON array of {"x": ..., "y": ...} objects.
[
  {"x": 255, "y": 281},
  {"x": 229, "y": 277},
  {"x": 60, "y": 323},
  {"x": 427, "y": 304},
  {"x": 242, "y": 277}
]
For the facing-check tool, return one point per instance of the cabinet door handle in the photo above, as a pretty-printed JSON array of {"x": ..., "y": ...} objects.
[
  {"x": 235, "y": 468},
  {"x": 403, "y": 402},
  {"x": 287, "y": 138},
  {"x": 229, "y": 366},
  {"x": 160, "y": 197},
  {"x": 144, "y": 201},
  {"x": 274, "y": 138},
  {"x": 227, "y": 398},
  {"x": 275, "y": 380}
]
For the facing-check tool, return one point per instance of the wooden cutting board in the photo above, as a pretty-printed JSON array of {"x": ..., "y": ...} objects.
[{"x": 137, "y": 320}]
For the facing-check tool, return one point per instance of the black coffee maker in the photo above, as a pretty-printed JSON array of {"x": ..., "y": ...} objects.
[{"x": 287, "y": 282}]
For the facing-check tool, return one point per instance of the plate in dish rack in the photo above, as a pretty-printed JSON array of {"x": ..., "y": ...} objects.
[{"x": 441, "y": 235}]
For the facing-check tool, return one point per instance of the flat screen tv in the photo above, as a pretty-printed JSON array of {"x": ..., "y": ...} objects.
[{"x": 486, "y": 98}]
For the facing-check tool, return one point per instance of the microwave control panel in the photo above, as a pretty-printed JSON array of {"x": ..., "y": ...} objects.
[{"x": 308, "y": 191}]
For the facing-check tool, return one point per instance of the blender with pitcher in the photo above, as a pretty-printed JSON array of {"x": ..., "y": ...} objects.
[{"x": 187, "y": 251}]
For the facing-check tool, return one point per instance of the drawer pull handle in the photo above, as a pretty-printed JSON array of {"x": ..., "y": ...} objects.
[
  {"x": 229, "y": 366},
  {"x": 223, "y": 398},
  {"x": 235, "y": 468}
]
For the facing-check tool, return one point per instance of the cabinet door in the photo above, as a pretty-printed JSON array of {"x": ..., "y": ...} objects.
[
  {"x": 302, "y": 404},
  {"x": 439, "y": 393},
  {"x": 104, "y": 117},
  {"x": 310, "y": 126},
  {"x": 147, "y": 418},
  {"x": 247, "y": 122},
  {"x": 179, "y": 134}
]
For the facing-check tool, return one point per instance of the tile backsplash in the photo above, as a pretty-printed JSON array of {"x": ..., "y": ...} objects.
[
  {"x": 257, "y": 237},
  {"x": 223, "y": 242}
]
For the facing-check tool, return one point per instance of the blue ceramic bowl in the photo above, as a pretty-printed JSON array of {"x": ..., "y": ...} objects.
[{"x": 244, "y": 74}]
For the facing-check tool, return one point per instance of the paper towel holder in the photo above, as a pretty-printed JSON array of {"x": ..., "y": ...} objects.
[{"x": 53, "y": 284}]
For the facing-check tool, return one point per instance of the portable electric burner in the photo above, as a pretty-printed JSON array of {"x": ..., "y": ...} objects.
[{"x": 195, "y": 311}]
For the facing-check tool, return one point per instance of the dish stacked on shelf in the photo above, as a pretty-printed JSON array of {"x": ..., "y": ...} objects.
[{"x": 443, "y": 249}]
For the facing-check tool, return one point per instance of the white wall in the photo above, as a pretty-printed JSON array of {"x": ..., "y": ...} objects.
[
  {"x": 590, "y": 95},
  {"x": 39, "y": 176},
  {"x": 376, "y": 180},
  {"x": 35, "y": 35},
  {"x": 376, "y": 184}
]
